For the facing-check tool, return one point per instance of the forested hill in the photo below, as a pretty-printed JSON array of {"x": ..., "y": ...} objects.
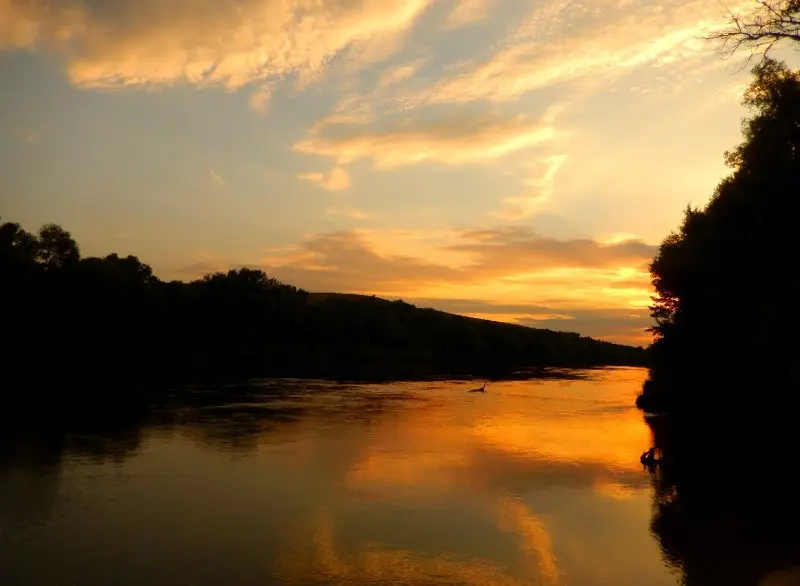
[
  {"x": 487, "y": 345},
  {"x": 71, "y": 317}
]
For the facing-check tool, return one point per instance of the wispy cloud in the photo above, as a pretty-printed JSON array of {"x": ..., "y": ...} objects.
[
  {"x": 565, "y": 40},
  {"x": 453, "y": 141},
  {"x": 467, "y": 12},
  {"x": 558, "y": 41},
  {"x": 540, "y": 182},
  {"x": 216, "y": 177},
  {"x": 210, "y": 42},
  {"x": 336, "y": 180},
  {"x": 400, "y": 73},
  {"x": 347, "y": 212}
]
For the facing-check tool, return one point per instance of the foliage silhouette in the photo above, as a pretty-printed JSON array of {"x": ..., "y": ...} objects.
[
  {"x": 112, "y": 319},
  {"x": 726, "y": 286}
]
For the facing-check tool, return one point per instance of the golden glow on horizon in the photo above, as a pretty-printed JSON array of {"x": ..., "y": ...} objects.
[
  {"x": 519, "y": 317},
  {"x": 516, "y": 267}
]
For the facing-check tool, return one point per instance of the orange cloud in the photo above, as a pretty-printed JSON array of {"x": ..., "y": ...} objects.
[
  {"x": 519, "y": 248},
  {"x": 513, "y": 254},
  {"x": 336, "y": 180},
  {"x": 400, "y": 73},
  {"x": 117, "y": 43},
  {"x": 453, "y": 141},
  {"x": 260, "y": 99}
]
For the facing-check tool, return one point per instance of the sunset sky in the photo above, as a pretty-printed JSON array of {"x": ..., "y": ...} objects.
[{"x": 517, "y": 160}]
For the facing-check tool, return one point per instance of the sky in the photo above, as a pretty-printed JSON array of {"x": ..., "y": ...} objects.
[{"x": 517, "y": 160}]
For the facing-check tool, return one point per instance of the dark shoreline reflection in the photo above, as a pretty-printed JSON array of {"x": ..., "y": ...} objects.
[
  {"x": 724, "y": 547},
  {"x": 724, "y": 503}
]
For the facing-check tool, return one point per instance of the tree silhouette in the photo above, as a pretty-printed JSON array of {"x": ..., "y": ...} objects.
[
  {"x": 725, "y": 284},
  {"x": 770, "y": 22},
  {"x": 56, "y": 248},
  {"x": 18, "y": 248}
]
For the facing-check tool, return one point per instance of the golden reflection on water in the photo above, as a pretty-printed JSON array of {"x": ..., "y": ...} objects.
[
  {"x": 488, "y": 453},
  {"x": 374, "y": 563},
  {"x": 537, "y": 559},
  {"x": 377, "y": 564},
  {"x": 534, "y": 482},
  {"x": 535, "y": 425}
]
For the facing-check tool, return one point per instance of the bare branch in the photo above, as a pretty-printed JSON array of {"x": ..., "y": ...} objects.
[{"x": 771, "y": 22}]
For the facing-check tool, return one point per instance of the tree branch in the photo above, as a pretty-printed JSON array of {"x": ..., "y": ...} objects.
[{"x": 771, "y": 22}]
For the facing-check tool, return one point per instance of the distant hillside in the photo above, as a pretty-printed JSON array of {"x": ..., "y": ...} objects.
[
  {"x": 112, "y": 319},
  {"x": 356, "y": 297},
  {"x": 469, "y": 345}
]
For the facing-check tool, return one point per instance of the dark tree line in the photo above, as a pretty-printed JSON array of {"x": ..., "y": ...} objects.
[
  {"x": 727, "y": 280},
  {"x": 73, "y": 318}
]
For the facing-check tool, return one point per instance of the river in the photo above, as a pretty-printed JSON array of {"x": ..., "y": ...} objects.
[{"x": 298, "y": 482}]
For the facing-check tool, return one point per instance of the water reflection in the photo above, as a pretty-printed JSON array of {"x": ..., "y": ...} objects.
[
  {"x": 298, "y": 482},
  {"x": 749, "y": 538}
]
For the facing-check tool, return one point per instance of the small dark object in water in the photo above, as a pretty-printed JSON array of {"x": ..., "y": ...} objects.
[
  {"x": 648, "y": 458},
  {"x": 479, "y": 389}
]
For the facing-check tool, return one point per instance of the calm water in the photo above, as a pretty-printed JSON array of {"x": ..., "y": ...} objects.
[{"x": 535, "y": 482}]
